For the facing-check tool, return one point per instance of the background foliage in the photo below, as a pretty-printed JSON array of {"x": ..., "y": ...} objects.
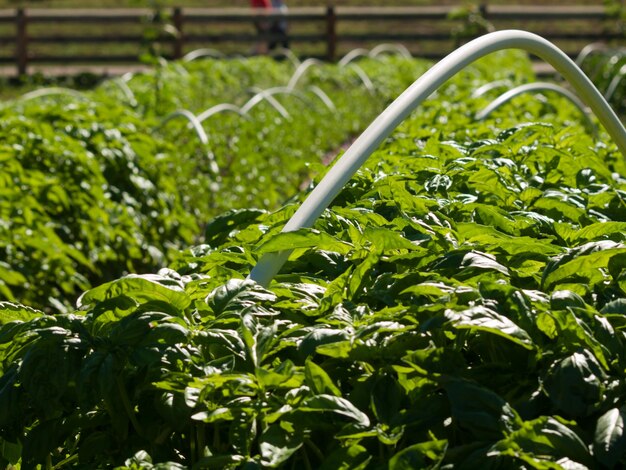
[{"x": 95, "y": 187}]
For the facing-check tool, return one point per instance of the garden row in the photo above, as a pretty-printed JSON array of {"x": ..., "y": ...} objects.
[
  {"x": 460, "y": 305},
  {"x": 96, "y": 185}
]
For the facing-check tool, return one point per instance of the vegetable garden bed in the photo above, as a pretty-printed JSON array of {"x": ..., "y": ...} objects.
[
  {"x": 94, "y": 187},
  {"x": 459, "y": 305}
]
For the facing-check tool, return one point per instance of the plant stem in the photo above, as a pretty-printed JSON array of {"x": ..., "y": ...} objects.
[
  {"x": 201, "y": 435},
  {"x": 192, "y": 444},
  {"x": 128, "y": 407},
  {"x": 307, "y": 463},
  {"x": 70, "y": 459},
  {"x": 311, "y": 445}
]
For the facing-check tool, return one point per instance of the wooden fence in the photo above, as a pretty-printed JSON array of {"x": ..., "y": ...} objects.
[{"x": 120, "y": 36}]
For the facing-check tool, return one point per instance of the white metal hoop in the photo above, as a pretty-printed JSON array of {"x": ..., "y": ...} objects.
[{"x": 538, "y": 86}]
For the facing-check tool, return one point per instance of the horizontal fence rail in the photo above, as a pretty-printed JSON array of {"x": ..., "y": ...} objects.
[{"x": 31, "y": 37}]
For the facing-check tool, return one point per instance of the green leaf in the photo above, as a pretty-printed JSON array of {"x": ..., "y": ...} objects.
[
  {"x": 479, "y": 411},
  {"x": 384, "y": 240},
  {"x": 304, "y": 238},
  {"x": 575, "y": 333},
  {"x": 485, "y": 319},
  {"x": 500, "y": 219},
  {"x": 617, "y": 306},
  {"x": 10, "y": 452},
  {"x": 575, "y": 384},
  {"x": 237, "y": 295},
  {"x": 141, "y": 288},
  {"x": 318, "y": 379},
  {"x": 353, "y": 457},
  {"x": 549, "y": 438},
  {"x": 609, "y": 441},
  {"x": 217, "y": 415},
  {"x": 438, "y": 183},
  {"x": 596, "y": 231},
  {"x": 436, "y": 361},
  {"x": 283, "y": 376},
  {"x": 583, "y": 262},
  {"x": 318, "y": 337},
  {"x": 501, "y": 242},
  {"x": 339, "y": 349},
  {"x": 561, "y": 299},
  {"x": 40, "y": 440},
  {"x": 360, "y": 277},
  {"x": 387, "y": 398},
  {"x": 258, "y": 338},
  {"x": 559, "y": 210},
  {"x": 429, "y": 290},
  {"x": 10, "y": 312},
  {"x": 547, "y": 325},
  {"x": 277, "y": 445},
  {"x": 338, "y": 405},
  {"x": 465, "y": 264},
  {"x": 9, "y": 276},
  {"x": 218, "y": 230},
  {"x": 424, "y": 455},
  {"x": 10, "y": 394}
]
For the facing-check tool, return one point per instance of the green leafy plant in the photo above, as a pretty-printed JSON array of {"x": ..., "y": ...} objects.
[
  {"x": 460, "y": 304},
  {"x": 92, "y": 190}
]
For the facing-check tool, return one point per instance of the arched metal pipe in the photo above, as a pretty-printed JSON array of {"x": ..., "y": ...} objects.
[
  {"x": 321, "y": 94},
  {"x": 197, "y": 126},
  {"x": 487, "y": 87},
  {"x": 193, "y": 120},
  {"x": 394, "y": 48},
  {"x": 422, "y": 88},
  {"x": 259, "y": 97},
  {"x": 180, "y": 69},
  {"x": 367, "y": 83},
  {"x": 220, "y": 108},
  {"x": 352, "y": 55},
  {"x": 615, "y": 81},
  {"x": 287, "y": 53},
  {"x": 283, "y": 90},
  {"x": 127, "y": 77},
  {"x": 302, "y": 68},
  {"x": 52, "y": 91},
  {"x": 128, "y": 93},
  {"x": 605, "y": 64},
  {"x": 588, "y": 50},
  {"x": 164, "y": 63},
  {"x": 540, "y": 87},
  {"x": 201, "y": 53}
]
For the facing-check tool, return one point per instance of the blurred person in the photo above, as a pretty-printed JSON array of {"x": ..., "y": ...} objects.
[
  {"x": 262, "y": 26},
  {"x": 278, "y": 28}
]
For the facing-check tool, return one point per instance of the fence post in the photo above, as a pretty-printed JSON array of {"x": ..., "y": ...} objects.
[
  {"x": 21, "y": 41},
  {"x": 179, "y": 41},
  {"x": 331, "y": 33}
]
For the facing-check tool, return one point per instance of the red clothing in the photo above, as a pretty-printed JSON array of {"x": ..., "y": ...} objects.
[{"x": 260, "y": 3}]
